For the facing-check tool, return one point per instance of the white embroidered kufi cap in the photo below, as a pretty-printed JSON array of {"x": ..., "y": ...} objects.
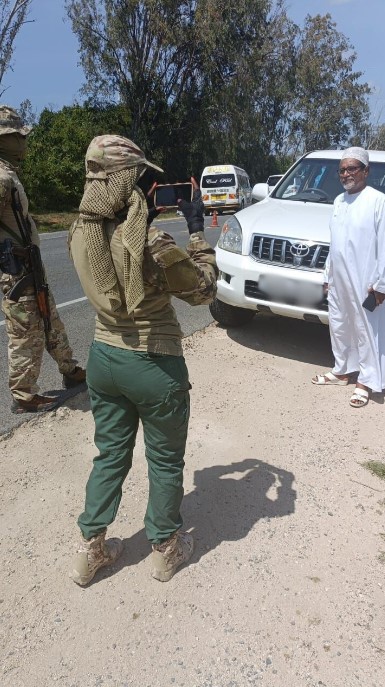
[{"x": 356, "y": 153}]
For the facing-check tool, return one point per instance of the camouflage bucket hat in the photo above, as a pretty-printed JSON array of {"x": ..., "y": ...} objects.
[
  {"x": 108, "y": 153},
  {"x": 11, "y": 122}
]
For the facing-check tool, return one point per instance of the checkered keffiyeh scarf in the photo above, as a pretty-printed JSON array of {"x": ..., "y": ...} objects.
[{"x": 102, "y": 199}]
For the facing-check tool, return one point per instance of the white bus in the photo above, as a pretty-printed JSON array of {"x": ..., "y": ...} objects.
[{"x": 225, "y": 187}]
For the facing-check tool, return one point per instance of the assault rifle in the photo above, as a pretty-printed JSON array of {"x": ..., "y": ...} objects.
[
  {"x": 9, "y": 260},
  {"x": 36, "y": 277}
]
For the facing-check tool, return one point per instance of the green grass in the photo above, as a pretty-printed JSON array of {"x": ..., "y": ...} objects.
[
  {"x": 61, "y": 221},
  {"x": 54, "y": 221},
  {"x": 375, "y": 467}
]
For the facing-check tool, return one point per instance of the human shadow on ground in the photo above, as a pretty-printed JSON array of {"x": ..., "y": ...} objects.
[
  {"x": 65, "y": 395},
  {"x": 286, "y": 338},
  {"x": 74, "y": 399},
  {"x": 227, "y": 501}
]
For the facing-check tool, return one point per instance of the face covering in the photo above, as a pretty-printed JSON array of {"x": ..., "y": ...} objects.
[
  {"x": 13, "y": 148},
  {"x": 146, "y": 179}
]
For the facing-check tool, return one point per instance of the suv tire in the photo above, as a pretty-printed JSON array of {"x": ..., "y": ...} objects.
[{"x": 229, "y": 315}]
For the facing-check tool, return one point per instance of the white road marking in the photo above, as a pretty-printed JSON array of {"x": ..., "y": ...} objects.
[
  {"x": 76, "y": 300},
  {"x": 60, "y": 305}
]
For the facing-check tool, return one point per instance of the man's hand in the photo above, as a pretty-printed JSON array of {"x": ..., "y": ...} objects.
[
  {"x": 380, "y": 297},
  {"x": 325, "y": 287},
  {"x": 193, "y": 212}
]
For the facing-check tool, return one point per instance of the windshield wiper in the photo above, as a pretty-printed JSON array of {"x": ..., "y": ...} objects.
[{"x": 312, "y": 195}]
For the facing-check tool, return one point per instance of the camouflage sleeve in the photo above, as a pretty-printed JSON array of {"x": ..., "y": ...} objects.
[
  {"x": 189, "y": 274},
  {"x": 6, "y": 213},
  {"x": 5, "y": 192}
]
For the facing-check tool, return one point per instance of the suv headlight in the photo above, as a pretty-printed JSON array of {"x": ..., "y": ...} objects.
[{"x": 231, "y": 236}]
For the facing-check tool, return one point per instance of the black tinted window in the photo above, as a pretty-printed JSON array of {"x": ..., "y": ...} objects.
[{"x": 317, "y": 180}]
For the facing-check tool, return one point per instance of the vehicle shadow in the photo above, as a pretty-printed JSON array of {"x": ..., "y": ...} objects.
[
  {"x": 225, "y": 504},
  {"x": 285, "y": 337}
]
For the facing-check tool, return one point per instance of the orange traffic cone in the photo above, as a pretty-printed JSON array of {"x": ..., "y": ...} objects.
[{"x": 214, "y": 221}]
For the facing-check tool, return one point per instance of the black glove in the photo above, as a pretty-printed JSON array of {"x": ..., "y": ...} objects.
[
  {"x": 193, "y": 212},
  {"x": 152, "y": 213},
  {"x": 152, "y": 210}
]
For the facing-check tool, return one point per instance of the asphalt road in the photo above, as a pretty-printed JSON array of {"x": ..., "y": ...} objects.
[{"x": 78, "y": 316}]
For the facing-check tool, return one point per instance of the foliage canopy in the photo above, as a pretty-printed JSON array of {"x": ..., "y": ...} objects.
[
  {"x": 239, "y": 81},
  {"x": 53, "y": 172},
  {"x": 197, "y": 82}
]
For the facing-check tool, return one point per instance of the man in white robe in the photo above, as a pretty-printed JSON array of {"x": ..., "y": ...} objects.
[{"x": 356, "y": 267}]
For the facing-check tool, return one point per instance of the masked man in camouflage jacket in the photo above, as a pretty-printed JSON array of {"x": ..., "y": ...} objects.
[
  {"x": 22, "y": 318},
  {"x": 129, "y": 271}
]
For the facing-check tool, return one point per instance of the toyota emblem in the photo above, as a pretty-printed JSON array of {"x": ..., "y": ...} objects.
[{"x": 299, "y": 250}]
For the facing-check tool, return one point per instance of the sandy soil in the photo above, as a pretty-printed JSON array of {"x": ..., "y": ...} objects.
[{"x": 286, "y": 586}]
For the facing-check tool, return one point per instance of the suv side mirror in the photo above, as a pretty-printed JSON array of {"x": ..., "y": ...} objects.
[
  {"x": 260, "y": 191},
  {"x": 273, "y": 180}
]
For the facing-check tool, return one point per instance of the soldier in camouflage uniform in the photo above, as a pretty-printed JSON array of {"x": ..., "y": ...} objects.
[
  {"x": 136, "y": 371},
  {"x": 23, "y": 322}
]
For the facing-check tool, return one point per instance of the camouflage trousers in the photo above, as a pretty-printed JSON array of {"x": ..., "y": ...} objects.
[{"x": 26, "y": 341}]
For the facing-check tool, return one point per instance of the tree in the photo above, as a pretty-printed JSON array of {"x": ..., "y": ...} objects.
[
  {"x": 199, "y": 82},
  {"x": 139, "y": 54},
  {"x": 53, "y": 172},
  {"x": 191, "y": 73},
  {"x": 251, "y": 117},
  {"x": 13, "y": 14},
  {"x": 231, "y": 39},
  {"x": 330, "y": 103},
  {"x": 376, "y": 138},
  {"x": 27, "y": 113}
]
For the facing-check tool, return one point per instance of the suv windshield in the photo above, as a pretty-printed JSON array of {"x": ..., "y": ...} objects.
[
  {"x": 316, "y": 180},
  {"x": 217, "y": 180}
]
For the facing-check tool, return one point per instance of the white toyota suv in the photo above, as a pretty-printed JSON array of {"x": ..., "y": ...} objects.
[{"x": 271, "y": 256}]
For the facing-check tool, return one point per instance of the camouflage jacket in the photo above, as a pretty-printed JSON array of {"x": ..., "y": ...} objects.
[
  {"x": 8, "y": 180},
  {"x": 167, "y": 271}
]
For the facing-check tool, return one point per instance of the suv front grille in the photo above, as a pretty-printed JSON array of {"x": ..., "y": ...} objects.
[{"x": 289, "y": 252}]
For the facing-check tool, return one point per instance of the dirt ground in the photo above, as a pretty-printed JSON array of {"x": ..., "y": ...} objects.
[{"x": 286, "y": 585}]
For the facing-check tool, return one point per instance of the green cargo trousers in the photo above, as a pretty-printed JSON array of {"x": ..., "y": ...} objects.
[{"x": 127, "y": 386}]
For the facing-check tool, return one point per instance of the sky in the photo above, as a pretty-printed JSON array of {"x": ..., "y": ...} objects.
[{"x": 46, "y": 71}]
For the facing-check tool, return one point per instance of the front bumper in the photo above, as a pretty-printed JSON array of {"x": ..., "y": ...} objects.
[
  {"x": 221, "y": 205},
  {"x": 239, "y": 279}
]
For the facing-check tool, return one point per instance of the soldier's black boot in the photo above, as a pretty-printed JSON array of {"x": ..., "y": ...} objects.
[
  {"x": 37, "y": 404},
  {"x": 78, "y": 376}
]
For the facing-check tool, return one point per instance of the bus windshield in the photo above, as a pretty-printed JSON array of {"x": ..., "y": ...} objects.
[{"x": 218, "y": 180}]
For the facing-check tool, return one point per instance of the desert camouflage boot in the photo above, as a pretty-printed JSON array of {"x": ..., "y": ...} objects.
[
  {"x": 170, "y": 555},
  {"x": 93, "y": 554},
  {"x": 37, "y": 404}
]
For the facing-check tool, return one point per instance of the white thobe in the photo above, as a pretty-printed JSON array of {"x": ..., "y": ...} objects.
[{"x": 357, "y": 262}]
